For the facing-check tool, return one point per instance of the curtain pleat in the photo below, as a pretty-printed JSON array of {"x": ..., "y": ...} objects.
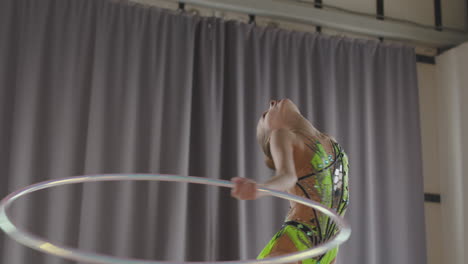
[{"x": 102, "y": 86}]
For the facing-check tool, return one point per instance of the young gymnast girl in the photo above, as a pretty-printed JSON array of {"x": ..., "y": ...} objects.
[{"x": 307, "y": 163}]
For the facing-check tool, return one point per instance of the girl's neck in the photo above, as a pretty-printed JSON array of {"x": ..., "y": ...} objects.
[{"x": 305, "y": 129}]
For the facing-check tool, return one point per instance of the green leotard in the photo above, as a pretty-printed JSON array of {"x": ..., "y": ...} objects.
[{"x": 329, "y": 183}]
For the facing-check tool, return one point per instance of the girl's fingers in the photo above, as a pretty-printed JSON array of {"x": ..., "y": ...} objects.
[
  {"x": 235, "y": 189},
  {"x": 244, "y": 189},
  {"x": 248, "y": 191}
]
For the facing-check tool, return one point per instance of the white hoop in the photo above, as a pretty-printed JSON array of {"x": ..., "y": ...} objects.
[{"x": 43, "y": 245}]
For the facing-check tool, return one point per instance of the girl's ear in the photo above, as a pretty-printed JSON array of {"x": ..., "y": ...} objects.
[{"x": 270, "y": 163}]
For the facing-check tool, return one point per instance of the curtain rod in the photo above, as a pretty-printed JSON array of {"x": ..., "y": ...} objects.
[{"x": 360, "y": 24}]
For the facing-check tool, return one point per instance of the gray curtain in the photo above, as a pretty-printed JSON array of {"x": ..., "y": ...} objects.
[{"x": 95, "y": 86}]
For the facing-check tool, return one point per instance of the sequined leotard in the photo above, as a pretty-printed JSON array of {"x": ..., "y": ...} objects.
[{"x": 327, "y": 183}]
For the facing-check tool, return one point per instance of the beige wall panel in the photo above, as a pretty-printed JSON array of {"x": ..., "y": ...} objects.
[
  {"x": 233, "y": 16},
  {"x": 427, "y": 105},
  {"x": 419, "y": 11},
  {"x": 270, "y": 22},
  {"x": 329, "y": 31},
  {"x": 454, "y": 13},
  {"x": 159, "y": 3},
  {"x": 433, "y": 233},
  {"x": 365, "y": 6},
  {"x": 198, "y": 10},
  {"x": 423, "y": 50}
]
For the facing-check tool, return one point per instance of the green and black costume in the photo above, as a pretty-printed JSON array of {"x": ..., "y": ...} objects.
[{"x": 329, "y": 182}]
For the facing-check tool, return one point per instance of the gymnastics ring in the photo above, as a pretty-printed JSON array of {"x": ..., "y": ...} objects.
[{"x": 45, "y": 246}]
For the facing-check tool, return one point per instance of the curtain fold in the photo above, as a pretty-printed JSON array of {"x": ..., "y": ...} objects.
[{"x": 100, "y": 86}]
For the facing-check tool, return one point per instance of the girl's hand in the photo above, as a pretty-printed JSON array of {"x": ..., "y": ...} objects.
[{"x": 244, "y": 189}]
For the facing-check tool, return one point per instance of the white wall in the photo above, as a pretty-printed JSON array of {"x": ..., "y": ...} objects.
[{"x": 452, "y": 94}]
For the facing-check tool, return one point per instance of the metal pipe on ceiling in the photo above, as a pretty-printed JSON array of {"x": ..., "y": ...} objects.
[{"x": 307, "y": 13}]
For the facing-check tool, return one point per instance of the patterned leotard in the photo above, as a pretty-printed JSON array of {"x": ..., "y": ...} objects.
[{"x": 327, "y": 184}]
